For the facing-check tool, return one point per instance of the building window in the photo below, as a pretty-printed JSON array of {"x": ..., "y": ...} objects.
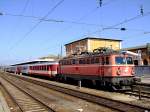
[{"x": 145, "y": 62}]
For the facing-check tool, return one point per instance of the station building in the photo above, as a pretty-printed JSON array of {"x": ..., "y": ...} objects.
[
  {"x": 88, "y": 44},
  {"x": 145, "y": 53}
]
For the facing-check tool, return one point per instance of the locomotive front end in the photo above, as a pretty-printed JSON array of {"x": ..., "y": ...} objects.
[{"x": 123, "y": 71}]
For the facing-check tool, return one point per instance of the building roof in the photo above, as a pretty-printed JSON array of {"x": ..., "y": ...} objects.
[
  {"x": 135, "y": 47},
  {"x": 94, "y": 39}
]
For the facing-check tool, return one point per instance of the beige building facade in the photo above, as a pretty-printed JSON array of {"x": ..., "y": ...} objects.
[
  {"x": 145, "y": 53},
  {"x": 88, "y": 44}
]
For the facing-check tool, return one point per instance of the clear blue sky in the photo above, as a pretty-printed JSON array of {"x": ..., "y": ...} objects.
[{"x": 17, "y": 45}]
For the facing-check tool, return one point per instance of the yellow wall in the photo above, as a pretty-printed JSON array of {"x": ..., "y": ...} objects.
[
  {"x": 72, "y": 48},
  {"x": 91, "y": 44},
  {"x": 104, "y": 43}
]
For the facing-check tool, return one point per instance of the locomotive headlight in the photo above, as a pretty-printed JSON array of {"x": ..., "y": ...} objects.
[
  {"x": 126, "y": 70},
  {"x": 118, "y": 71}
]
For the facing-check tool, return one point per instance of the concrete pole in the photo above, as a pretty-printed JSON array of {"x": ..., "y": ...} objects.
[{"x": 79, "y": 83}]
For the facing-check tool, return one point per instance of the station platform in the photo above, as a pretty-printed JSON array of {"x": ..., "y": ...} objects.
[
  {"x": 3, "y": 105},
  {"x": 145, "y": 78}
]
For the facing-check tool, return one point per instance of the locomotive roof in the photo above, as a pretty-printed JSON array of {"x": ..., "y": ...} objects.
[
  {"x": 93, "y": 38},
  {"x": 90, "y": 55}
]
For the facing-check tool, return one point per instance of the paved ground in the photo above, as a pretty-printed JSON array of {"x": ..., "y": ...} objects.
[
  {"x": 145, "y": 78},
  {"x": 3, "y": 104}
]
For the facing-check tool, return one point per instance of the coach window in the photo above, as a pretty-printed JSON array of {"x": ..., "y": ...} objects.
[
  {"x": 107, "y": 60},
  {"x": 44, "y": 68}
]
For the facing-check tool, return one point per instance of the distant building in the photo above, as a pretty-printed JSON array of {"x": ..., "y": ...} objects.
[
  {"x": 145, "y": 53},
  {"x": 90, "y": 43},
  {"x": 50, "y": 57}
]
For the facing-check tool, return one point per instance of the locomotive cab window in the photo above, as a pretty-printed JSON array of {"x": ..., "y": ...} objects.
[
  {"x": 120, "y": 60},
  {"x": 123, "y": 60}
]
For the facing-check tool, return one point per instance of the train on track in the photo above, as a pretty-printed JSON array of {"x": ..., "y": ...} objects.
[{"x": 103, "y": 67}]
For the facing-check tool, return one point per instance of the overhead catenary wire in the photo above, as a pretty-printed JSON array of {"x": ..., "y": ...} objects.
[
  {"x": 123, "y": 22},
  {"x": 21, "y": 13},
  {"x": 37, "y": 24},
  {"x": 82, "y": 18},
  {"x": 53, "y": 20}
]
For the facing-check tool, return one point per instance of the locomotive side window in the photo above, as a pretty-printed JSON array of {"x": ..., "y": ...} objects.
[
  {"x": 129, "y": 60},
  {"x": 107, "y": 60},
  {"x": 103, "y": 61},
  {"x": 81, "y": 61},
  {"x": 88, "y": 61},
  {"x": 73, "y": 61},
  {"x": 92, "y": 60},
  {"x": 96, "y": 60}
]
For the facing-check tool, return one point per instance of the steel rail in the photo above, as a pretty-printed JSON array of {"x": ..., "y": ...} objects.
[
  {"x": 107, "y": 102},
  {"x": 22, "y": 108}
]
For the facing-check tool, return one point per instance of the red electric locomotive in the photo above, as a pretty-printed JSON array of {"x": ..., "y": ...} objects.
[{"x": 104, "y": 67}]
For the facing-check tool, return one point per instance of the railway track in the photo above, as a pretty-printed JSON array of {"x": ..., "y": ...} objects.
[
  {"x": 140, "y": 94},
  {"x": 107, "y": 102},
  {"x": 24, "y": 101},
  {"x": 141, "y": 90}
]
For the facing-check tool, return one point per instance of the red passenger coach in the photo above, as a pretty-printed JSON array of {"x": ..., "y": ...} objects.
[
  {"x": 104, "y": 67},
  {"x": 46, "y": 69}
]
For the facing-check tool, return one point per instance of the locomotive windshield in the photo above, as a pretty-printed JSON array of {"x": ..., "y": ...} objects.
[{"x": 123, "y": 60}]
